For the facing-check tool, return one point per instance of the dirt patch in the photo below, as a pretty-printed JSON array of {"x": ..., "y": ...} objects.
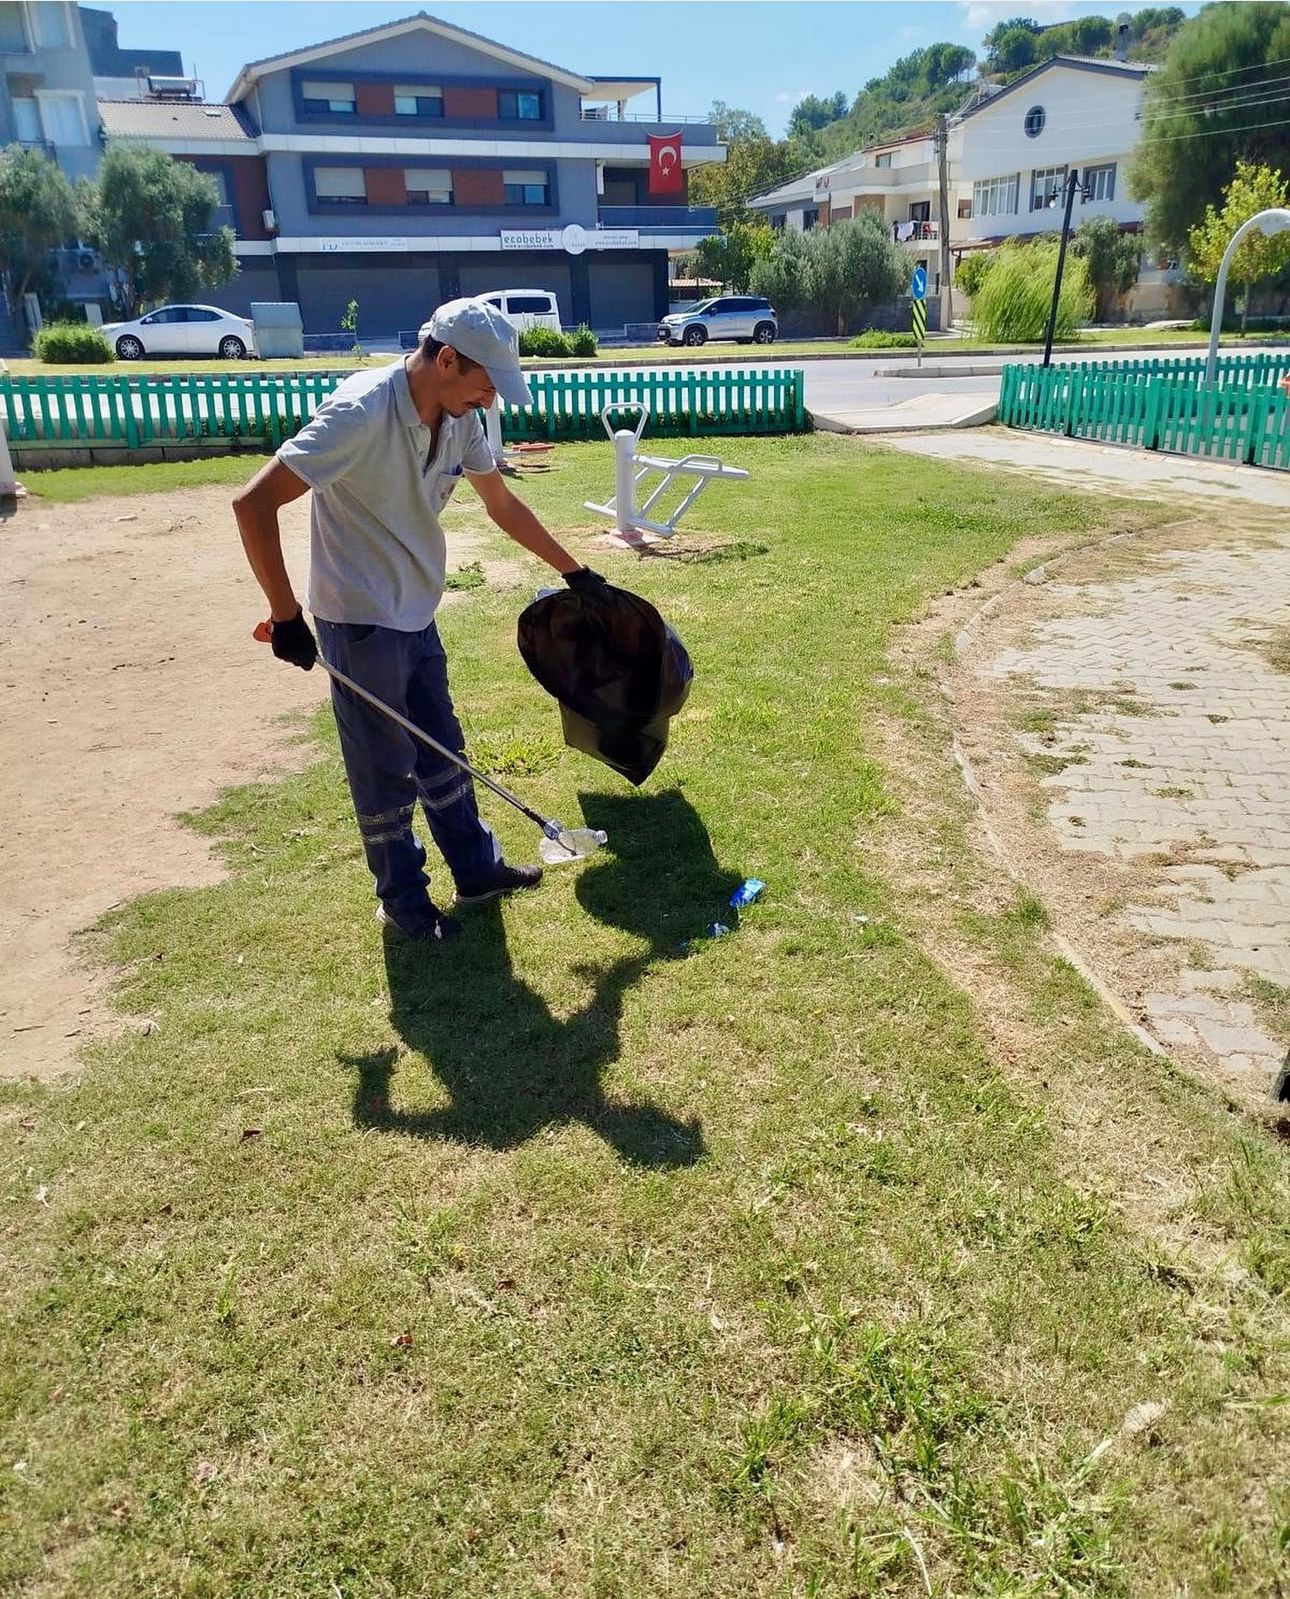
[{"x": 132, "y": 692}]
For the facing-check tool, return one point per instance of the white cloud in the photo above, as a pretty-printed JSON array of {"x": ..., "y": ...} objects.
[{"x": 791, "y": 96}]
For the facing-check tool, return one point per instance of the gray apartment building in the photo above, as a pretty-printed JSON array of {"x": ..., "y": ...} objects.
[
  {"x": 47, "y": 99},
  {"x": 416, "y": 161}
]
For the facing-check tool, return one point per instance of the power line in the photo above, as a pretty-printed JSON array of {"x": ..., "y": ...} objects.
[
  {"x": 1234, "y": 90},
  {"x": 1227, "y": 72},
  {"x": 1003, "y": 141}
]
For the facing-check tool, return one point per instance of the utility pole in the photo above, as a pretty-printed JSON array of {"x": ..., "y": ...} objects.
[
  {"x": 942, "y": 161},
  {"x": 1072, "y": 183}
]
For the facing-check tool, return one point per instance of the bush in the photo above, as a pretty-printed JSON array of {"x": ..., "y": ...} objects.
[
  {"x": 582, "y": 341},
  {"x": 1012, "y": 302},
  {"x": 971, "y": 272},
  {"x": 65, "y": 343},
  {"x": 878, "y": 339},
  {"x": 545, "y": 342}
]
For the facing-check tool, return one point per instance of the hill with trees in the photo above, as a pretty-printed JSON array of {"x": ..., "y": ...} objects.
[{"x": 915, "y": 90}]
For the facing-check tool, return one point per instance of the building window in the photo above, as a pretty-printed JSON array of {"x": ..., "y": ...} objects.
[
  {"x": 428, "y": 185},
  {"x": 996, "y": 197},
  {"x": 518, "y": 106},
  {"x": 777, "y": 223},
  {"x": 1044, "y": 183},
  {"x": 810, "y": 218},
  {"x": 526, "y": 188},
  {"x": 26, "y": 121},
  {"x": 883, "y": 160},
  {"x": 337, "y": 97},
  {"x": 340, "y": 185},
  {"x": 418, "y": 100},
  {"x": 965, "y": 210},
  {"x": 1099, "y": 183},
  {"x": 64, "y": 117},
  {"x": 13, "y": 29},
  {"x": 1035, "y": 119},
  {"x": 52, "y": 31}
]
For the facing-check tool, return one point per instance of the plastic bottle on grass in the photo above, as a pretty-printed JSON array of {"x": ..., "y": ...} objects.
[
  {"x": 748, "y": 891},
  {"x": 571, "y": 844}
]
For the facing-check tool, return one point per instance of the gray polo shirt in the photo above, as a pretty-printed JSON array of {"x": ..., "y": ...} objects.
[{"x": 376, "y": 549}]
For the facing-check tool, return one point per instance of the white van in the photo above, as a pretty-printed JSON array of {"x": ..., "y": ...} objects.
[{"x": 526, "y": 308}]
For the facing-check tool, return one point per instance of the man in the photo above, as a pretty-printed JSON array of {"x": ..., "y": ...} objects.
[{"x": 383, "y": 456}]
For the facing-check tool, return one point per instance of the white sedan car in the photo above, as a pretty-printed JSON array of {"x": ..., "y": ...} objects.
[{"x": 183, "y": 330}]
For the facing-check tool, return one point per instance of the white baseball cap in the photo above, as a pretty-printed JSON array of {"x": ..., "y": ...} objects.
[{"x": 481, "y": 333}]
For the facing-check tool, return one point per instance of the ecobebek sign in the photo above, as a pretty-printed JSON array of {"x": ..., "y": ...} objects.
[{"x": 574, "y": 239}]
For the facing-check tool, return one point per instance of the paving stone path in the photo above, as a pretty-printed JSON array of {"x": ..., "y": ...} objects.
[{"x": 1167, "y": 748}]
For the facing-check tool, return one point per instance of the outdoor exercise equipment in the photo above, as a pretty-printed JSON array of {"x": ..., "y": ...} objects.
[{"x": 631, "y": 465}]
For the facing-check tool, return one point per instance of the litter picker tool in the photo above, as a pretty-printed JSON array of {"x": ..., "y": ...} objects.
[{"x": 559, "y": 843}]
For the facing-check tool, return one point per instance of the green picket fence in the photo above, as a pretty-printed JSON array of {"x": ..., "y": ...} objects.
[
  {"x": 1159, "y": 404},
  {"x": 138, "y": 412}
]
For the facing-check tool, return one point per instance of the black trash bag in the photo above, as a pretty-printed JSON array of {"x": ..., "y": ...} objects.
[{"x": 618, "y": 670}]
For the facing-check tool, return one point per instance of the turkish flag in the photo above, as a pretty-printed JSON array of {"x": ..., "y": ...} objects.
[{"x": 666, "y": 175}]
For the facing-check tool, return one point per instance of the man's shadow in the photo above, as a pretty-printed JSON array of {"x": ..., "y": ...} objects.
[{"x": 511, "y": 1067}]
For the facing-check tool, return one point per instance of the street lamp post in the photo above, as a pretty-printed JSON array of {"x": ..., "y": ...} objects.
[
  {"x": 1072, "y": 183},
  {"x": 1275, "y": 220}
]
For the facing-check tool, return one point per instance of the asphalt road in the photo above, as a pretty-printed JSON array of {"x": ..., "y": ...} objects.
[{"x": 849, "y": 385}]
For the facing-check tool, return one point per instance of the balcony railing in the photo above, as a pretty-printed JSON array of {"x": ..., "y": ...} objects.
[
  {"x": 42, "y": 145},
  {"x": 916, "y": 232},
  {"x": 685, "y": 217},
  {"x": 610, "y": 113}
]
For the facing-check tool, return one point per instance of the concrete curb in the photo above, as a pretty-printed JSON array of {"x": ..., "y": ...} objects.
[
  {"x": 979, "y": 415},
  {"x": 991, "y": 369}
]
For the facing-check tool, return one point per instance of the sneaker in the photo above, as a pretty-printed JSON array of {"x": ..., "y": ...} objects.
[
  {"x": 508, "y": 879},
  {"x": 426, "y": 923}
]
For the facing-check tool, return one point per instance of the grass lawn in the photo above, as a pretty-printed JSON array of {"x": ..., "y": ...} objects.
[
  {"x": 561, "y": 1261},
  {"x": 75, "y": 483}
]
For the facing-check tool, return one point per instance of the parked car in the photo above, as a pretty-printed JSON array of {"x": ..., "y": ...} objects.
[
  {"x": 183, "y": 330},
  {"x": 741, "y": 317},
  {"x": 526, "y": 308}
]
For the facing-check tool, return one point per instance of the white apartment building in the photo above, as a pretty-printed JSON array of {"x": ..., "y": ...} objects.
[
  {"x": 1008, "y": 152},
  {"x": 899, "y": 179},
  {"x": 1017, "y": 147}
]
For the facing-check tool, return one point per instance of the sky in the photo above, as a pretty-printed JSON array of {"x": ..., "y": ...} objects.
[{"x": 760, "y": 55}]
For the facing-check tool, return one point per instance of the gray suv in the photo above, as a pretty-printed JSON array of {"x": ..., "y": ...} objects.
[{"x": 741, "y": 317}]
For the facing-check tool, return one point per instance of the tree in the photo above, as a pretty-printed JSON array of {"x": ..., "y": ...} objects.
[
  {"x": 1111, "y": 258},
  {"x": 728, "y": 257},
  {"x": 946, "y": 63},
  {"x": 1013, "y": 298},
  {"x": 754, "y": 163},
  {"x": 1010, "y": 45},
  {"x": 1252, "y": 190},
  {"x": 1016, "y": 49},
  {"x": 971, "y": 270},
  {"x": 1191, "y": 142},
  {"x": 852, "y": 265},
  {"x": 151, "y": 220},
  {"x": 38, "y": 213},
  {"x": 811, "y": 114},
  {"x": 781, "y": 274}
]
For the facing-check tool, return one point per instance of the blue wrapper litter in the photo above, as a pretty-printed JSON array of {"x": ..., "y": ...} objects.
[{"x": 747, "y": 893}]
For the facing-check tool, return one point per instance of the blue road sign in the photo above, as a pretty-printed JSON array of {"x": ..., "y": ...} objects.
[{"x": 918, "y": 288}]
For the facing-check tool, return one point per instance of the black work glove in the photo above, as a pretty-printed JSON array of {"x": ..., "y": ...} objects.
[
  {"x": 585, "y": 581},
  {"x": 292, "y": 641}
]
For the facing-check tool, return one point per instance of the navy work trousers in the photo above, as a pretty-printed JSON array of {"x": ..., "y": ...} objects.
[{"x": 389, "y": 770}]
